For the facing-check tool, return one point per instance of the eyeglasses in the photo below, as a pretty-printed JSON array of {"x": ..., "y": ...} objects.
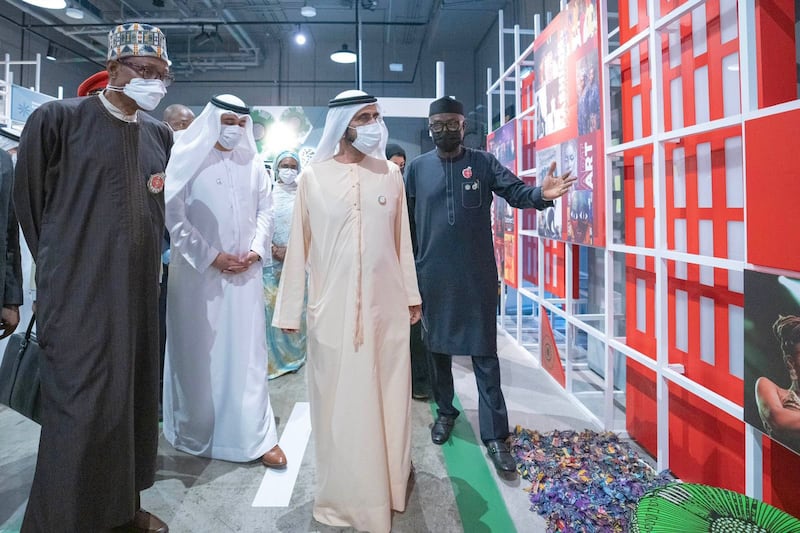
[
  {"x": 148, "y": 73},
  {"x": 451, "y": 125}
]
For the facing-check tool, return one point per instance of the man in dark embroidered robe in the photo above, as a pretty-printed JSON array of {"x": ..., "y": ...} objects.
[
  {"x": 449, "y": 191},
  {"x": 88, "y": 194}
]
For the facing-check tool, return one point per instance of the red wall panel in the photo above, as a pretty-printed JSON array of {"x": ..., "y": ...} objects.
[{"x": 772, "y": 145}]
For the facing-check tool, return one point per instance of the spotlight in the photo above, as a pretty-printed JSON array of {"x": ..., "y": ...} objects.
[
  {"x": 308, "y": 11},
  {"x": 299, "y": 37},
  {"x": 51, "y": 52},
  {"x": 344, "y": 55},
  {"x": 201, "y": 39},
  {"x": 216, "y": 36}
]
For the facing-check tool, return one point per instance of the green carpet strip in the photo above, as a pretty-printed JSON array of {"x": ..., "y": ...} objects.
[{"x": 478, "y": 498}]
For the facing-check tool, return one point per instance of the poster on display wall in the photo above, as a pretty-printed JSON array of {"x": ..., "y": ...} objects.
[
  {"x": 501, "y": 143},
  {"x": 279, "y": 128},
  {"x": 568, "y": 119},
  {"x": 772, "y": 356}
]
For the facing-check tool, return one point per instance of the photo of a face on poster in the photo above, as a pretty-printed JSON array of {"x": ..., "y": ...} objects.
[
  {"x": 579, "y": 224},
  {"x": 772, "y": 356}
]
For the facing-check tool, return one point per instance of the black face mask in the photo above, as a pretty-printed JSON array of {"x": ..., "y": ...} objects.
[{"x": 447, "y": 141}]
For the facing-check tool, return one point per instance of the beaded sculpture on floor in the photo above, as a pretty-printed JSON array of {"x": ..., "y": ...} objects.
[{"x": 583, "y": 482}]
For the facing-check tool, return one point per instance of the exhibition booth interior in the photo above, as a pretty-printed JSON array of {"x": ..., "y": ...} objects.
[{"x": 656, "y": 293}]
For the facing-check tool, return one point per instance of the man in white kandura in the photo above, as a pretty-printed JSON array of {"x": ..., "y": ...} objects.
[
  {"x": 350, "y": 226},
  {"x": 216, "y": 402}
]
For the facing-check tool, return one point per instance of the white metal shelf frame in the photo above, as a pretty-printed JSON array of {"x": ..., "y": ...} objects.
[
  {"x": 665, "y": 374},
  {"x": 8, "y": 80}
]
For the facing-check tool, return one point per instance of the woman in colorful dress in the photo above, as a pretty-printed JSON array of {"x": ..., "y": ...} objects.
[{"x": 287, "y": 352}]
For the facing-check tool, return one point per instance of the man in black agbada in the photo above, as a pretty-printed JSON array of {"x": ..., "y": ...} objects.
[
  {"x": 11, "y": 269},
  {"x": 89, "y": 197},
  {"x": 449, "y": 192}
]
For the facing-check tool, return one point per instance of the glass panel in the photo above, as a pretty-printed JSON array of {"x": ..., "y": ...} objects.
[
  {"x": 620, "y": 377},
  {"x": 735, "y": 340},
  {"x": 728, "y": 20},
  {"x": 620, "y": 316},
  {"x": 681, "y": 320},
  {"x": 734, "y": 180},
  {"x": 736, "y": 281},
  {"x": 590, "y": 304},
  {"x": 635, "y": 87},
  {"x": 679, "y": 177},
  {"x": 676, "y": 99},
  {"x": 706, "y": 231},
  {"x": 699, "y": 46},
  {"x": 641, "y": 305},
  {"x": 704, "y": 193},
  {"x": 707, "y": 330},
  {"x": 615, "y": 105},
  {"x": 731, "y": 101},
  {"x": 589, "y": 369},
  {"x": 616, "y": 172},
  {"x": 736, "y": 240},
  {"x": 702, "y": 112}
]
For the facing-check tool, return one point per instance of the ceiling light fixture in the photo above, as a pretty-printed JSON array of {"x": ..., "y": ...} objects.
[
  {"x": 308, "y": 11},
  {"x": 74, "y": 11},
  {"x": 344, "y": 55},
  {"x": 202, "y": 38},
  {"x": 395, "y": 67},
  {"x": 216, "y": 36},
  {"x": 207, "y": 36},
  {"x": 47, "y": 4},
  {"x": 51, "y": 52}
]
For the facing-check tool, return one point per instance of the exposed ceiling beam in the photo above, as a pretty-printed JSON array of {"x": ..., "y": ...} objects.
[{"x": 173, "y": 22}]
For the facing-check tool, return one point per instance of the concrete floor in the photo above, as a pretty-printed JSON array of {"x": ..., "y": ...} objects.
[{"x": 196, "y": 495}]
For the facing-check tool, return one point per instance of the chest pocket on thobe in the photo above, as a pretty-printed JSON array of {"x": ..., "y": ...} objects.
[{"x": 471, "y": 194}]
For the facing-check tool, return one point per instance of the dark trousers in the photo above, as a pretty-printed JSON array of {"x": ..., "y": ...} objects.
[
  {"x": 421, "y": 365},
  {"x": 492, "y": 413}
]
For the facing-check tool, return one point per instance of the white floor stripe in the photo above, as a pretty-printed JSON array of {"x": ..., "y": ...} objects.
[{"x": 277, "y": 486}]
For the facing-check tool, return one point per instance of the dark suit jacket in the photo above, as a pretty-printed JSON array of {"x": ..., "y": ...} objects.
[{"x": 11, "y": 268}]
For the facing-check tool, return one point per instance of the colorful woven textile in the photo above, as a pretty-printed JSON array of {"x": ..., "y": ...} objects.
[{"x": 583, "y": 482}]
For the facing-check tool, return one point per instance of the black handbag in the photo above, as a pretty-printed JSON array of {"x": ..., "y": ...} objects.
[{"x": 19, "y": 374}]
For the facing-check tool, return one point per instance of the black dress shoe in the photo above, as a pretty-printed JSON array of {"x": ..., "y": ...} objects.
[
  {"x": 500, "y": 456},
  {"x": 441, "y": 429},
  {"x": 143, "y": 522}
]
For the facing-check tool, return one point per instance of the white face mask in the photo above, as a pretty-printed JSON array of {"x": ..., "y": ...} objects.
[
  {"x": 368, "y": 137},
  {"x": 229, "y": 136},
  {"x": 146, "y": 93},
  {"x": 287, "y": 175}
]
